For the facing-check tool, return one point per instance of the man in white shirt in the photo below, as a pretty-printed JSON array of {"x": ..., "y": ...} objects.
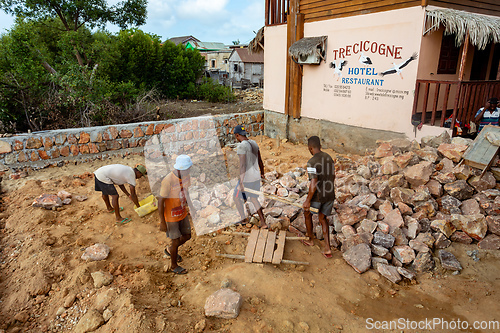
[
  {"x": 488, "y": 115},
  {"x": 251, "y": 171},
  {"x": 108, "y": 176}
]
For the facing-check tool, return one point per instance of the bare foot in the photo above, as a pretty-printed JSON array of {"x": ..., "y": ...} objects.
[
  {"x": 263, "y": 226},
  {"x": 308, "y": 241}
]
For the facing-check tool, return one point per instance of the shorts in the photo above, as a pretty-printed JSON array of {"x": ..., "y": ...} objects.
[
  {"x": 244, "y": 195},
  {"x": 323, "y": 207},
  {"x": 106, "y": 189},
  {"x": 177, "y": 229}
]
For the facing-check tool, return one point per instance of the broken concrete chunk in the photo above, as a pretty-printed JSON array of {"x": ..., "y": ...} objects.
[{"x": 224, "y": 303}]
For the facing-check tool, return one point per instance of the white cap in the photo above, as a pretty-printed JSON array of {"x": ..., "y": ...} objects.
[{"x": 183, "y": 162}]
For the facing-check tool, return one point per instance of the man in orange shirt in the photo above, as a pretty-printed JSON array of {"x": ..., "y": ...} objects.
[{"x": 173, "y": 209}]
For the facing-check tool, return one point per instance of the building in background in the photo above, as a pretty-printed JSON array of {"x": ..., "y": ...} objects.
[
  {"x": 246, "y": 69},
  {"x": 360, "y": 70}
]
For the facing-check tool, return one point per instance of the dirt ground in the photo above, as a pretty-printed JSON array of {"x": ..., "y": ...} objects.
[{"x": 41, "y": 270}]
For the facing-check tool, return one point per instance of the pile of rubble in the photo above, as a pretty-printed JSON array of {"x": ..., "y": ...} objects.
[
  {"x": 398, "y": 209},
  {"x": 250, "y": 95}
]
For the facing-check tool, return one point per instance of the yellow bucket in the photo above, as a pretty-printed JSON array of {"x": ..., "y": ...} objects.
[{"x": 148, "y": 205}]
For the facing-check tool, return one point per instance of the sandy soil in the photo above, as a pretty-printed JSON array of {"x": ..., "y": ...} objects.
[{"x": 41, "y": 269}]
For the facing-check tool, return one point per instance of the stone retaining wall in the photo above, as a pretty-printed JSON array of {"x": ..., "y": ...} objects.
[{"x": 40, "y": 149}]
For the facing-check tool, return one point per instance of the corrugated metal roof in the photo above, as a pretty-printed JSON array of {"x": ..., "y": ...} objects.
[
  {"x": 182, "y": 39},
  {"x": 248, "y": 57}
]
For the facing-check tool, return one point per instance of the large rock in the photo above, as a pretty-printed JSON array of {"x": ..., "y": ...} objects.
[
  {"x": 426, "y": 238},
  {"x": 351, "y": 214},
  {"x": 47, "y": 201},
  {"x": 462, "y": 172},
  {"x": 404, "y": 160},
  {"x": 436, "y": 141},
  {"x": 403, "y": 253},
  {"x": 384, "y": 150},
  {"x": 224, "y": 303},
  {"x": 288, "y": 181},
  {"x": 427, "y": 154},
  {"x": 397, "y": 181},
  {"x": 486, "y": 182},
  {"x": 404, "y": 195},
  {"x": 89, "y": 322},
  {"x": 419, "y": 174},
  {"x": 419, "y": 246},
  {"x": 470, "y": 207},
  {"x": 459, "y": 189},
  {"x": 379, "y": 187},
  {"x": 461, "y": 237},
  {"x": 449, "y": 261},
  {"x": 445, "y": 178},
  {"x": 96, "y": 252},
  {"x": 385, "y": 240},
  {"x": 452, "y": 151},
  {"x": 435, "y": 188},
  {"x": 490, "y": 242},
  {"x": 474, "y": 225},
  {"x": 394, "y": 220},
  {"x": 493, "y": 224},
  {"x": 446, "y": 227},
  {"x": 359, "y": 257},
  {"x": 389, "y": 272},
  {"x": 449, "y": 205},
  {"x": 423, "y": 262},
  {"x": 368, "y": 225}
]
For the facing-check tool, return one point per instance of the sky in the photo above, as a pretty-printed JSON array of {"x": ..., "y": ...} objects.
[{"x": 208, "y": 20}]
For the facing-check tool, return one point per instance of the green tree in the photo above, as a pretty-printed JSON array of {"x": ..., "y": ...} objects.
[{"x": 76, "y": 14}]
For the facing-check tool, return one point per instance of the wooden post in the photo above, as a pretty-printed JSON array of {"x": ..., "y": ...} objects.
[
  {"x": 297, "y": 73},
  {"x": 461, "y": 73}
]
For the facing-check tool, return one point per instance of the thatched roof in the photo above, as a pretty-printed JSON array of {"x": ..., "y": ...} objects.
[
  {"x": 307, "y": 46},
  {"x": 482, "y": 29},
  {"x": 256, "y": 45}
]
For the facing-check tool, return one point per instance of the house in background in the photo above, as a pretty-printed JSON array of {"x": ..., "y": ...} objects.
[
  {"x": 183, "y": 40},
  {"x": 217, "y": 65},
  {"x": 356, "y": 71},
  {"x": 245, "y": 68}
]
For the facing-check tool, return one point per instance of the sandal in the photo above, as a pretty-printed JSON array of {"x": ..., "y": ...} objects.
[
  {"x": 112, "y": 211},
  {"x": 179, "y": 258},
  {"x": 327, "y": 255},
  {"x": 124, "y": 221},
  {"x": 179, "y": 270}
]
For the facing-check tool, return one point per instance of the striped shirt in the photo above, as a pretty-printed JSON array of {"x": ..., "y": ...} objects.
[{"x": 489, "y": 118}]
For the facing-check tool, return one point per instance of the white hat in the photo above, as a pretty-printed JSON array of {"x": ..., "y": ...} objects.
[{"x": 183, "y": 162}]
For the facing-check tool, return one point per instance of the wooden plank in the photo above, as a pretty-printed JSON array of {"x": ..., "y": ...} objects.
[
  {"x": 445, "y": 104},
  {"x": 252, "y": 241},
  {"x": 426, "y": 97},
  {"x": 261, "y": 245},
  {"x": 355, "y": 7},
  {"x": 435, "y": 104},
  {"x": 271, "y": 241},
  {"x": 278, "y": 253}
]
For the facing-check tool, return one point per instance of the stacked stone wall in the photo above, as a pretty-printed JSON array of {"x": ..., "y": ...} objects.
[{"x": 40, "y": 149}]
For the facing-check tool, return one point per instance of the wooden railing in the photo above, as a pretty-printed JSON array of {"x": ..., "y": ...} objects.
[
  {"x": 276, "y": 11},
  {"x": 438, "y": 100}
]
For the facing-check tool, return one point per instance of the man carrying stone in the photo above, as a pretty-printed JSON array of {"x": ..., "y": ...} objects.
[
  {"x": 173, "y": 207},
  {"x": 321, "y": 170},
  {"x": 251, "y": 171},
  {"x": 108, "y": 176},
  {"x": 488, "y": 115}
]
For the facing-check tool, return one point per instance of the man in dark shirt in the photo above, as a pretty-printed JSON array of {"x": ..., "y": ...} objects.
[{"x": 321, "y": 170}]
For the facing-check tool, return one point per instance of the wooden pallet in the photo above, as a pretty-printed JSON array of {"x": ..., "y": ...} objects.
[
  {"x": 481, "y": 153},
  {"x": 265, "y": 246}
]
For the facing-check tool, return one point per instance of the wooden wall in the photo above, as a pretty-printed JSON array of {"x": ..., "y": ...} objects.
[
  {"x": 316, "y": 10},
  {"x": 488, "y": 7}
]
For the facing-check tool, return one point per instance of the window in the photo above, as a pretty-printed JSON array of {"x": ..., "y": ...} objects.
[
  {"x": 449, "y": 55},
  {"x": 213, "y": 63},
  {"x": 235, "y": 68},
  {"x": 225, "y": 61}
]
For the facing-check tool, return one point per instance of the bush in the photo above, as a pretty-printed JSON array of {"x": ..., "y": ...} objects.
[{"x": 212, "y": 91}]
